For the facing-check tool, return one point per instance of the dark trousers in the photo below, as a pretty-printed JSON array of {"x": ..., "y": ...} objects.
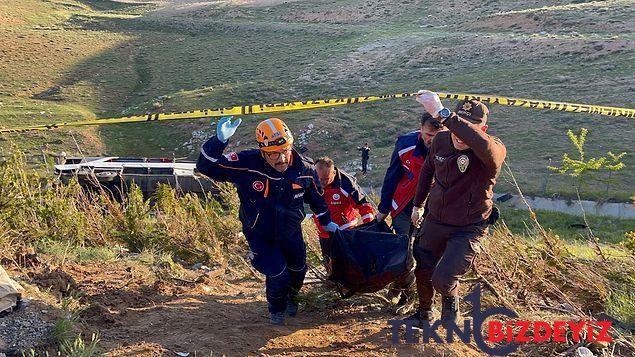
[
  {"x": 364, "y": 165},
  {"x": 443, "y": 254},
  {"x": 401, "y": 223},
  {"x": 283, "y": 262},
  {"x": 284, "y": 287}
]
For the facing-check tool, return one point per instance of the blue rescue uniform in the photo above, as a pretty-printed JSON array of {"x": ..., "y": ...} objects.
[{"x": 271, "y": 212}]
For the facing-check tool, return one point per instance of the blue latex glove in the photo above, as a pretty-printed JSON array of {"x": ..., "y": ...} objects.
[
  {"x": 331, "y": 227},
  {"x": 226, "y": 128}
]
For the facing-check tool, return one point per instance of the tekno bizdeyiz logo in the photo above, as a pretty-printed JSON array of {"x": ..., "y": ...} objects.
[{"x": 503, "y": 337}]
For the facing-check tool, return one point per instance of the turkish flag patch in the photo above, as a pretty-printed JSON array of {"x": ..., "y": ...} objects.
[
  {"x": 232, "y": 156},
  {"x": 258, "y": 186}
]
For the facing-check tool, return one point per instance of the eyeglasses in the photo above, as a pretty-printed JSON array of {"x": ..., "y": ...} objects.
[{"x": 275, "y": 155}]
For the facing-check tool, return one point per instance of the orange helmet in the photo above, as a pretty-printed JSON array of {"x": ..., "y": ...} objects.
[{"x": 273, "y": 135}]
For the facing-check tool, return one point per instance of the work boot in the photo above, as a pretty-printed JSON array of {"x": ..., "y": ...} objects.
[
  {"x": 292, "y": 307},
  {"x": 420, "y": 316},
  {"x": 423, "y": 315},
  {"x": 449, "y": 309},
  {"x": 416, "y": 317},
  {"x": 276, "y": 318}
]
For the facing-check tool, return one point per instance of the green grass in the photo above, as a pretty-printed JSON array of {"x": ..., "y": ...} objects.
[
  {"x": 79, "y": 348},
  {"x": 606, "y": 229},
  {"x": 63, "y": 330},
  {"x": 586, "y": 251},
  {"x": 72, "y": 253},
  {"x": 621, "y": 305}
]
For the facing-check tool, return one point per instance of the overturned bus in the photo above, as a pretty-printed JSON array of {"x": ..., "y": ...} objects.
[{"x": 116, "y": 174}]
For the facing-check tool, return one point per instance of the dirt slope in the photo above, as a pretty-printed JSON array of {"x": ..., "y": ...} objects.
[{"x": 137, "y": 317}]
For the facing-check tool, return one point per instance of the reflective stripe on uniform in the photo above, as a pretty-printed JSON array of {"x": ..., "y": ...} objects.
[{"x": 207, "y": 156}]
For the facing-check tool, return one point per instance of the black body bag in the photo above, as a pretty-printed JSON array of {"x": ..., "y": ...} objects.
[{"x": 368, "y": 257}]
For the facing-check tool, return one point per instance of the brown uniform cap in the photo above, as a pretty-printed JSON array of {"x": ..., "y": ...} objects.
[{"x": 473, "y": 111}]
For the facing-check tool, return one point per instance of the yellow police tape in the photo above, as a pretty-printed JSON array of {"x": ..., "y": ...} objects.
[{"x": 324, "y": 103}]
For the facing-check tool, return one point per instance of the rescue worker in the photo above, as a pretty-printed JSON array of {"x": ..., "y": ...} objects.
[
  {"x": 273, "y": 183},
  {"x": 345, "y": 201},
  {"x": 464, "y": 163},
  {"x": 402, "y": 175}
]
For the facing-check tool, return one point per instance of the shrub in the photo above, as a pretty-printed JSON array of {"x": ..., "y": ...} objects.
[{"x": 36, "y": 209}]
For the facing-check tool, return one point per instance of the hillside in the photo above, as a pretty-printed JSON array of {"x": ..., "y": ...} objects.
[{"x": 64, "y": 60}]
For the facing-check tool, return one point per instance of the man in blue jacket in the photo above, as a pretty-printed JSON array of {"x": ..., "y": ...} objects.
[
  {"x": 400, "y": 182},
  {"x": 273, "y": 183}
]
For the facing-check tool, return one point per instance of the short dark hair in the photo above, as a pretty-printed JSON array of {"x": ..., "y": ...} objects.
[
  {"x": 427, "y": 119},
  {"x": 325, "y": 162}
]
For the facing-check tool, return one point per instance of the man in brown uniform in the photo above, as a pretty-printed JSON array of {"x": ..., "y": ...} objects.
[{"x": 464, "y": 163}]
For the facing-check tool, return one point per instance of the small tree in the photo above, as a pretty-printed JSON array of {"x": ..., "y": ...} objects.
[{"x": 583, "y": 169}]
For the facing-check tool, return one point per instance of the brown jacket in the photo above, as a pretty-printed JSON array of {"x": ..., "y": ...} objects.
[{"x": 463, "y": 180}]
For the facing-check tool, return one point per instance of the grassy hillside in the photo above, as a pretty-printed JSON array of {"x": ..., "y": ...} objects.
[{"x": 72, "y": 59}]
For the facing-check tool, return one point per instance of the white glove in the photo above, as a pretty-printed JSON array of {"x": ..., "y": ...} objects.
[
  {"x": 381, "y": 216},
  {"x": 430, "y": 101},
  {"x": 415, "y": 217}
]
